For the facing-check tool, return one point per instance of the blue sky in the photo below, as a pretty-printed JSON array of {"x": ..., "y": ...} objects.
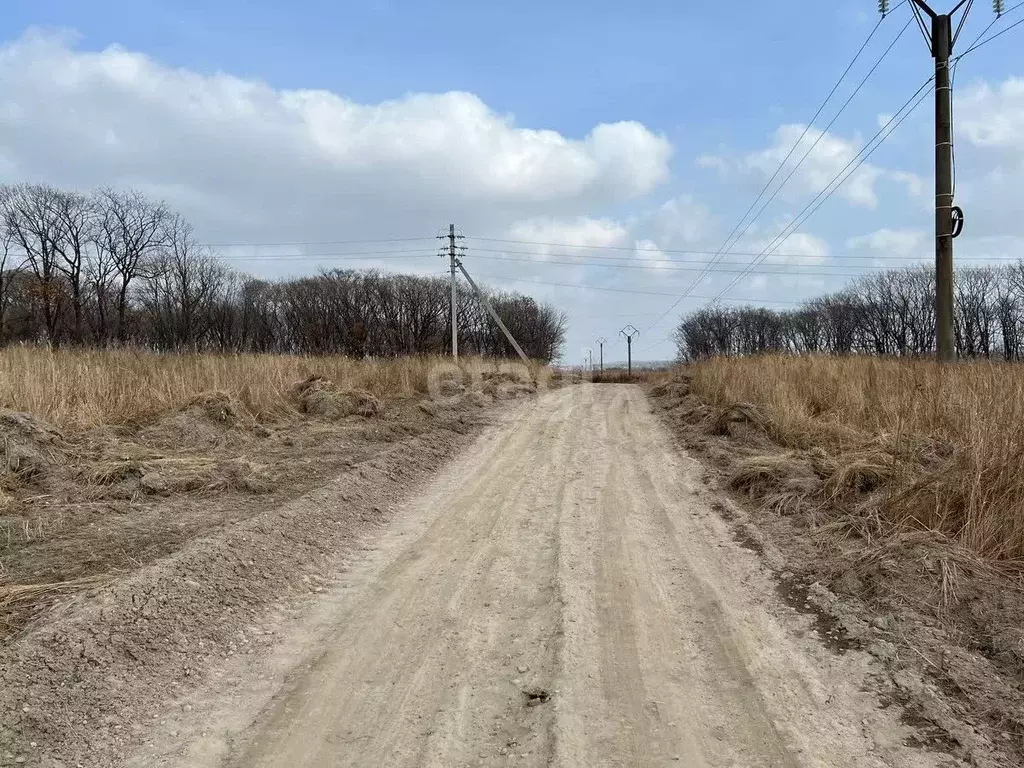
[{"x": 707, "y": 89}]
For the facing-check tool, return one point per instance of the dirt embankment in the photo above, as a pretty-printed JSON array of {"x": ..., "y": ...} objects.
[
  {"x": 944, "y": 625},
  {"x": 134, "y": 559}
]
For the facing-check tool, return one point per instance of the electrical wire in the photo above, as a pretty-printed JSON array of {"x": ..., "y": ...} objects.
[
  {"x": 826, "y": 193},
  {"x": 631, "y": 248},
  {"x": 631, "y": 257},
  {"x": 803, "y": 135},
  {"x": 921, "y": 25},
  {"x": 988, "y": 40},
  {"x": 956, "y": 60},
  {"x": 821, "y": 135},
  {"x": 578, "y": 286},
  {"x": 316, "y": 242},
  {"x": 963, "y": 20},
  {"x": 869, "y": 269},
  {"x": 357, "y": 255}
]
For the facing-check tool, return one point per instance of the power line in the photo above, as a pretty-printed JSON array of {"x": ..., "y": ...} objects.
[
  {"x": 988, "y": 40},
  {"x": 357, "y": 255},
  {"x": 501, "y": 278},
  {"x": 826, "y": 193},
  {"x": 963, "y": 20},
  {"x": 316, "y": 242},
  {"x": 631, "y": 248},
  {"x": 807, "y": 128},
  {"x": 543, "y": 258},
  {"x": 866, "y": 269}
]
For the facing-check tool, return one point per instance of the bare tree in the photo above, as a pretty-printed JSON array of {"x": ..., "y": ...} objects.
[
  {"x": 10, "y": 267},
  {"x": 30, "y": 217},
  {"x": 182, "y": 285},
  {"x": 132, "y": 230},
  {"x": 77, "y": 221}
]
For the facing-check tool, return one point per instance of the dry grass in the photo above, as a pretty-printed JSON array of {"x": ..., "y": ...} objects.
[
  {"x": 622, "y": 376},
  {"x": 81, "y": 388},
  {"x": 943, "y": 446}
]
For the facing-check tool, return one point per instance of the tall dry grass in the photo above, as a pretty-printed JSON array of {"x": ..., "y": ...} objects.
[
  {"x": 947, "y": 442},
  {"x": 77, "y": 389}
]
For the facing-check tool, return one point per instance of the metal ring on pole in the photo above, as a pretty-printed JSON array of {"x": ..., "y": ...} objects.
[{"x": 958, "y": 220}]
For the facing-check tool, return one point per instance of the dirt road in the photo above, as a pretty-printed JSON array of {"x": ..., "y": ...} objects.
[{"x": 564, "y": 595}]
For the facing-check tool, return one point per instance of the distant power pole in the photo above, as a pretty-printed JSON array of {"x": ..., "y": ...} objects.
[
  {"x": 590, "y": 359},
  {"x": 600, "y": 343},
  {"x": 453, "y": 256},
  {"x": 629, "y": 332},
  {"x": 948, "y": 218}
]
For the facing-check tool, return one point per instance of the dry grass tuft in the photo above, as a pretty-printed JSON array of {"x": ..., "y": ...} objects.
[
  {"x": 941, "y": 446},
  {"x": 19, "y": 600},
  {"x": 737, "y": 415}
]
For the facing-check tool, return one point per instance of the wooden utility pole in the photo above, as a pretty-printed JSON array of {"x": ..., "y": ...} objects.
[
  {"x": 948, "y": 218},
  {"x": 600, "y": 343},
  {"x": 629, "y": 332}
]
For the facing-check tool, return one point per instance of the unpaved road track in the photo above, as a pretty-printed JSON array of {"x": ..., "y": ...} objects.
[{"x": 572, "y": 550}]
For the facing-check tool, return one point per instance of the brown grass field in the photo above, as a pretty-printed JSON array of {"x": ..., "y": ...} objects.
[
  {"x": 84, "y": 388},
  {"x": 946, "y": 443},
  {"x": 112, "y": 459}
]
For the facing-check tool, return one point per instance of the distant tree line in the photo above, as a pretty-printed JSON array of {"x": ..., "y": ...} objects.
[
  {"x": 114, "y": 267},
  {"x": 886, "y": 313}
]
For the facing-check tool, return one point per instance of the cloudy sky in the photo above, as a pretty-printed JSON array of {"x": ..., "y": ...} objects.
[{"x": 596, "y": 155}]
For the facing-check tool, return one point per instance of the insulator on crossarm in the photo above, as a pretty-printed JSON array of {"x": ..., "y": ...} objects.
[
  {"x": 883, "y": 7},
  {"x": 999, "y": 7}
]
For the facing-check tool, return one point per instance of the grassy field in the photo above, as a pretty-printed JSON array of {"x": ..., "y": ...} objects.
[
  {"x": 84, "y": 388},
  {"x": 945, "y": 444}
]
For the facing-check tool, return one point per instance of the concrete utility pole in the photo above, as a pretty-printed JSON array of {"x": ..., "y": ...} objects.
[
  {"x": 453, "y": 256},
  {"x": 487, "y": 305},
  {"x": 948, "y": 217},
  {"x": 600, "y": 343},
  {"x": 629, "y": 332}
]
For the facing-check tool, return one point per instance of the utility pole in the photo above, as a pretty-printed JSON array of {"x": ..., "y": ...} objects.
[
  {"x": 629, "y": 332},
  {"x": 453, "y": 256},
  {"x": 600, "y": 343},
  {"x": 590, "y": 358},
  {"x": 494, "y": 315},
  {"x": 948, "y": 218}
]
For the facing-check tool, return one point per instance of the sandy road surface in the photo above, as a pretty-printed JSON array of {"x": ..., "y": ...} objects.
[{"x": 572, "y": 550}]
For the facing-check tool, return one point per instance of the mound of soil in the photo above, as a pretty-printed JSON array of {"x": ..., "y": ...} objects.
[
  {"x": 218, "y": 407},
  {"x": 28, "y": 448},
  {"x": 318, "y": 396},
  {"x": 506, "y": 385}
]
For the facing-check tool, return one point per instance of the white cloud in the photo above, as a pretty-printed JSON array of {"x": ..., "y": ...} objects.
[
  {"x": 243, "y": 159},
  {"x": 547, "y": 235},
  {"x": 712, "y": 161},
  {"x": 993, "y": 117},
  {"x": 818, "y": 160},
  {"x": 648, "y": 253},
  {"x": 678, "y": 223},
  {"x": 891, "y": 242},
  {"x": 797, "y": 248}
]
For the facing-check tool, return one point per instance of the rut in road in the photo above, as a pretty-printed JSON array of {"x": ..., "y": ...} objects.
[{"x": 573, "y": 551}]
